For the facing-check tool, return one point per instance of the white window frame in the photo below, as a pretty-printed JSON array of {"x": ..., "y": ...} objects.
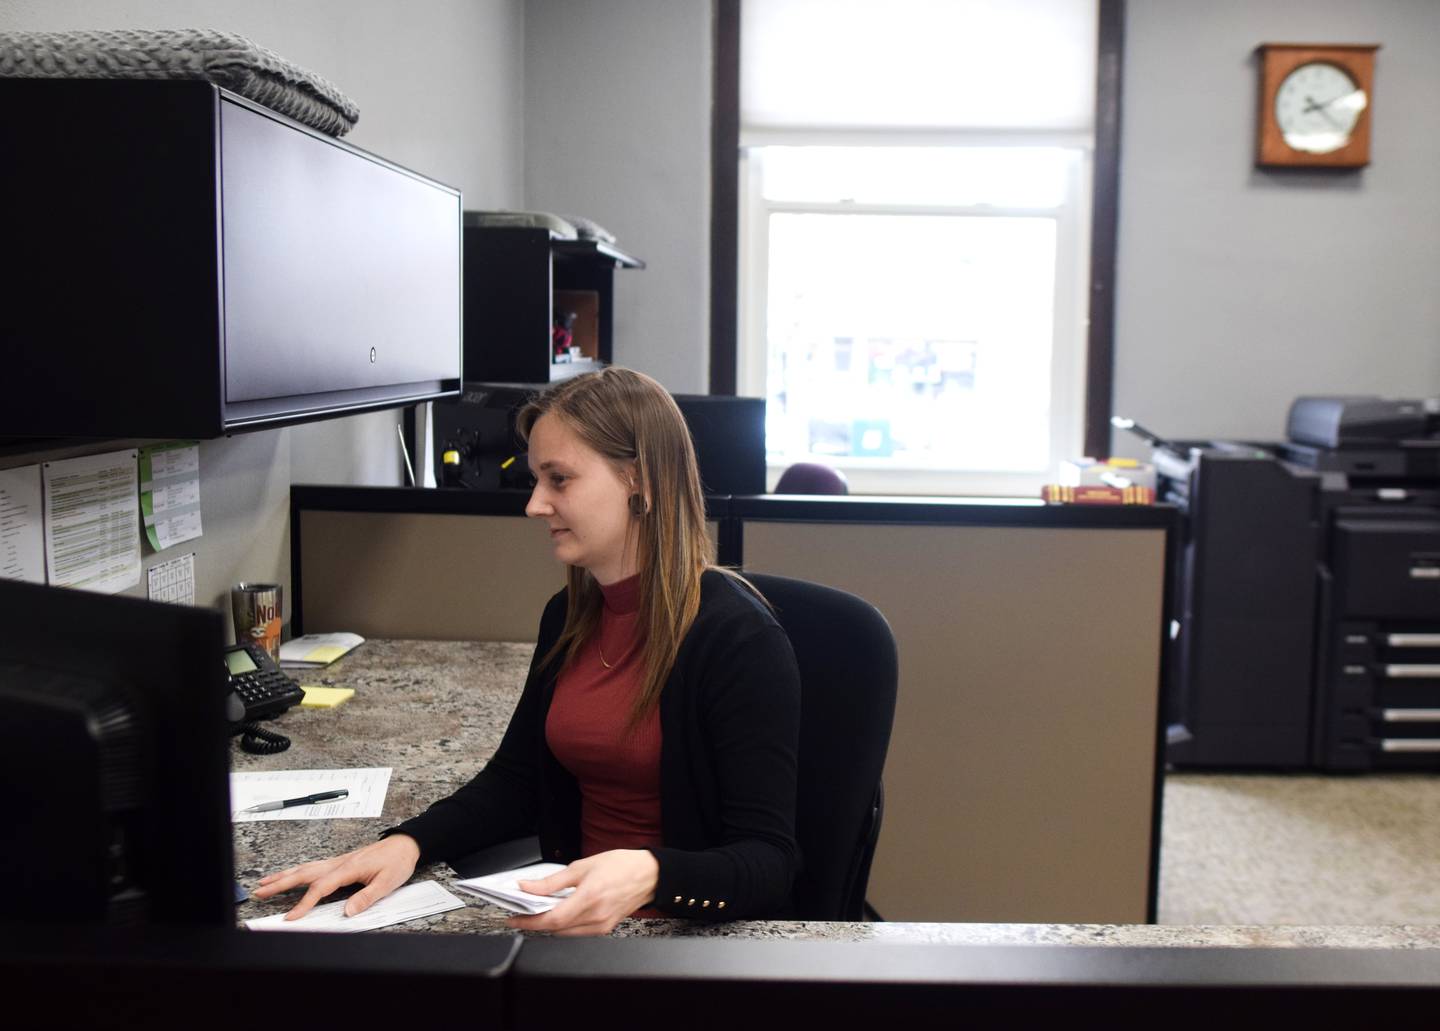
[{"x": 1072, "y": 287}]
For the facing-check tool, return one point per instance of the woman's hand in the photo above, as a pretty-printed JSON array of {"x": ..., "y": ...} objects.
[
  {"x": 381, "y": 867},
  {"x": 608, "y": 888}
]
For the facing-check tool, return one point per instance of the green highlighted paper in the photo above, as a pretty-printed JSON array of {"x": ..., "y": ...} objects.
[{"x": 170, "y": 493}]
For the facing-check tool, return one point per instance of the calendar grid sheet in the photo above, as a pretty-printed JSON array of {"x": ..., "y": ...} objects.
[{"x": 174, "y": 580}]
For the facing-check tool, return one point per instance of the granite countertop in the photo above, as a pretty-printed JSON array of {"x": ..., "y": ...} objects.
[{"x": 434, "y": 711}]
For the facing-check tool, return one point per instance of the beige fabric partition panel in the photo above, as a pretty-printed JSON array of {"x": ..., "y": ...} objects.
[
  {"x": 426, "y": 576},
  {"x": 1020, "y": 780}
]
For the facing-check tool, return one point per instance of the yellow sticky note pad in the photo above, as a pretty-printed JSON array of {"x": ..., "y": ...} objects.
[
  {"x": 325, "y": 653},
  {"x": 325, "y": 697}
]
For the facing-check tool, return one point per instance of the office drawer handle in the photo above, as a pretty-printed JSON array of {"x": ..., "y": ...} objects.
[
  {"x": 1411, "y": 715},
  {"x": 1415, "y": 669},
  {"x": 1413, "y": 640},
  {"x": 1410, "y": 744}
]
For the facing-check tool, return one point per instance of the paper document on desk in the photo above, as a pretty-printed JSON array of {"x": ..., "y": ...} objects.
[
  {"x": 501, "y": 889},
  {"x": 423, "y": 898},
  {"x": 316, "y": 650},
  {"x": 367, "y": 789}
]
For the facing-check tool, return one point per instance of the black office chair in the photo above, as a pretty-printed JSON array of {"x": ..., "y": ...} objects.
[{"x": 848, "y": 674}]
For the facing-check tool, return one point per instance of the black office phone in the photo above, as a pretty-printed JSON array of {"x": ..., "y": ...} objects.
[{"x": 258, "y": 690}]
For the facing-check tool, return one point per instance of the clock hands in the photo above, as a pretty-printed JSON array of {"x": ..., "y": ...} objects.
[
  {"x": 1311, "y": 105},
  {"x": 1355, "y": 100}
]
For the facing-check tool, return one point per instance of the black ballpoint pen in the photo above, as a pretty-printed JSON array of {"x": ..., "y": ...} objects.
[{"x": 324, "y": 796}]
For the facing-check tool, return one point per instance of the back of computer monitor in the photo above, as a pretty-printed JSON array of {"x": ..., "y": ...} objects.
[
  {"x": 114, "y": 760},
  {"x": 729, "y": 436}
]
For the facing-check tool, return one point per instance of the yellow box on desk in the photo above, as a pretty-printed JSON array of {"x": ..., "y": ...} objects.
[{"x": 1097, "y": 494}]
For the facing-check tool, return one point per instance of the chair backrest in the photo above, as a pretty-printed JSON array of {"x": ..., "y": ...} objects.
[
  {"x": 848, "y": 674},
  {"x": 811, "y": 478}
]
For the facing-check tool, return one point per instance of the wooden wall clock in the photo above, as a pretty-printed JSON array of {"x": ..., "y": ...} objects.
[{"x": 1315, "y": 105}]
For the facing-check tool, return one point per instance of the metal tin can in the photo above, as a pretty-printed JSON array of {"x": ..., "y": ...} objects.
[{"x": 256, "y": 609}]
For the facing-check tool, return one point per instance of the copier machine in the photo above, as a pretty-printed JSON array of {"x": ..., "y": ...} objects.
[{"x": 1307, "y": 631}]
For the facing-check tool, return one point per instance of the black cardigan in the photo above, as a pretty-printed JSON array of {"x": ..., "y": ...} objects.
[{"x": 730, "y": 728}]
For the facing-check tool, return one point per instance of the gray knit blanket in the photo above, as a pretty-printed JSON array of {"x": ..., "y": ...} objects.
[{"x": 227, "y": 60}]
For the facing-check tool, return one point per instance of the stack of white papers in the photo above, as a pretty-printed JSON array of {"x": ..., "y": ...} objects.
[
  {"x": 423, "y": 898},
  {"x": 316, "y": 650},
  {"x": 503, "y": 889}
]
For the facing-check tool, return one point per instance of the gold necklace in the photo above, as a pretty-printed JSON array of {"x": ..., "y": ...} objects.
[{"x": 602, "y": 655}]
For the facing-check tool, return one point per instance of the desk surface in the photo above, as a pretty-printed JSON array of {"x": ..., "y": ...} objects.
[{"x": 435, "y": 711}]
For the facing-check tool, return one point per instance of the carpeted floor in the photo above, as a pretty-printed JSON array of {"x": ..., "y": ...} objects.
[{"x": 1300, "y": 849}]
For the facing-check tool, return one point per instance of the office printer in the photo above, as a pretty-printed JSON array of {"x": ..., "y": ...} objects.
[
  {"x": 1307, "y": 604},
  {"x": 1367, "y": 438}
]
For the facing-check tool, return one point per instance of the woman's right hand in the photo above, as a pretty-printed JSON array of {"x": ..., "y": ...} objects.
[{"x": 381, "y": 867}]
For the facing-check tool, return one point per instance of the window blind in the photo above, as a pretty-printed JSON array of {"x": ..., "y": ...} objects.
[{"x": 918, "y": 64}]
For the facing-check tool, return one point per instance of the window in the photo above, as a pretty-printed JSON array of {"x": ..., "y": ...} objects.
[
  {"x": 913, "y": 295},
  {"x": 913, "y": 313}
]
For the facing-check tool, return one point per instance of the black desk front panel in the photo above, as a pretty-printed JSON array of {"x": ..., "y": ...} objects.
[
  {"x": 65, "y": 976},
  {"x": 214, "y": 980}
]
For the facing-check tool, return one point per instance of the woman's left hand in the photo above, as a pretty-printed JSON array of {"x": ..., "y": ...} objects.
[{"x": 609, "y": 886}]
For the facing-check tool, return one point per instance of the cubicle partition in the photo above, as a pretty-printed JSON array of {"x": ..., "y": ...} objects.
[
  {"x": 1023, "y": 779},
  {"x": 435, "y": 565},
  {"x": 421, "y": 564},
  {"x": 1022, "y": 784}
]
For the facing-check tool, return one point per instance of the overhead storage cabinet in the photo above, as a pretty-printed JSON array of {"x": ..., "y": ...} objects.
[{"x": 188, "y": 264}]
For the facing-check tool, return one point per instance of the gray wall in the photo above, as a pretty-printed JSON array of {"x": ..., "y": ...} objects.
[
  {"x": 439, "y": 86},
  {"x": 617, "y": 128},
  {"x": 1239, "y": 289}
]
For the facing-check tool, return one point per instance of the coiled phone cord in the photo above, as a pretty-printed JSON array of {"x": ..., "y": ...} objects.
[{"x": 257, "y": 741}]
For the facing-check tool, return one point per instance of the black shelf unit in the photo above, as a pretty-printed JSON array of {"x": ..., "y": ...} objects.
[{"x": 515, "y": 278}]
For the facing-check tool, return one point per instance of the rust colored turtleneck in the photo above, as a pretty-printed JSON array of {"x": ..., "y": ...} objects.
[{"x": 618, "y": 769}]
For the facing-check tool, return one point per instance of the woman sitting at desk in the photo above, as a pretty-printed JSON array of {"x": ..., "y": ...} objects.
[{"x": 653, "y": 748}]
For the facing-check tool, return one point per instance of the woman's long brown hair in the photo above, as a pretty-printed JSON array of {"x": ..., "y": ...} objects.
[{"x": 630, "y": 419}]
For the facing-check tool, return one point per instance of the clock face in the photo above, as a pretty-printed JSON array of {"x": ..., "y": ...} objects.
[{"x": 1317, "y": 106}]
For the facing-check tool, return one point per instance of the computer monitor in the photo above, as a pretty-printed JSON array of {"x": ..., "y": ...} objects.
[
  {"x": 729, "y": 436},
  {"x": 479, "y": 427},
  {"x": 114, "y": 760}
]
